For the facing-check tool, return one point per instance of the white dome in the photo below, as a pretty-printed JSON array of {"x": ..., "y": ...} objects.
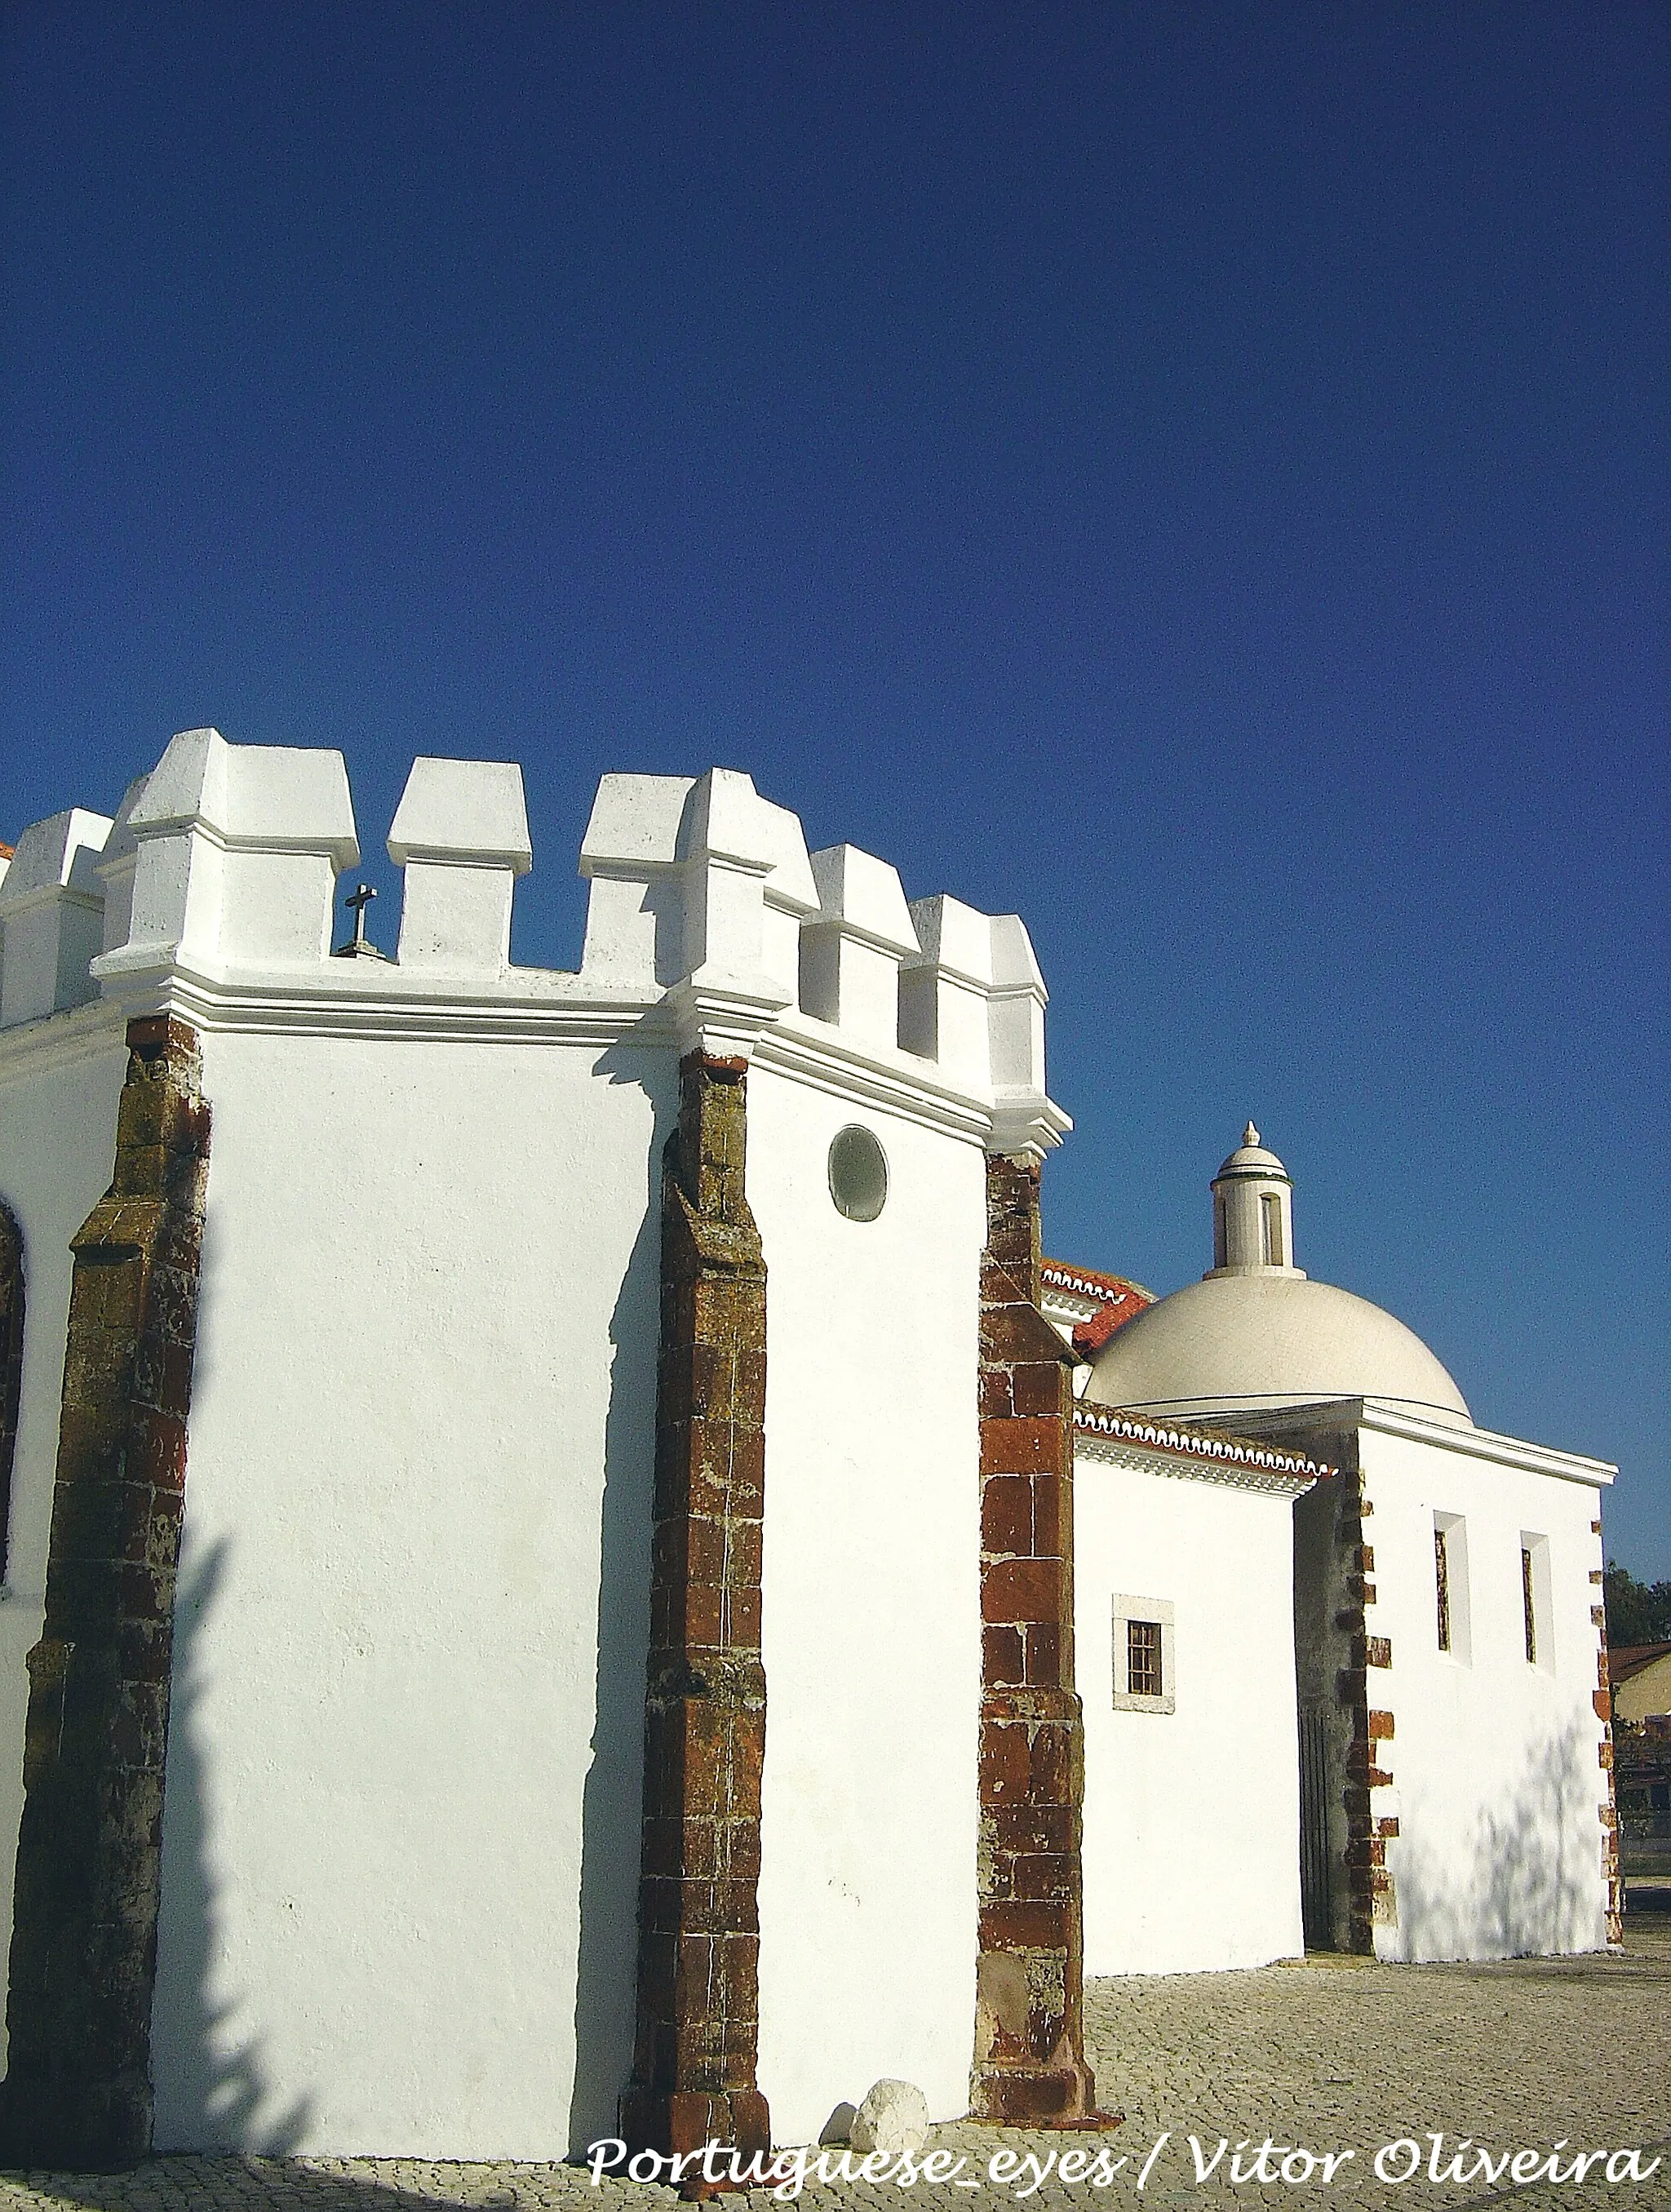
[{"x": 1247, "y": 1341}]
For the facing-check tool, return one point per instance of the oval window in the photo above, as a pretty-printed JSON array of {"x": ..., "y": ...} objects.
[{"x": 858, "y": 1175}]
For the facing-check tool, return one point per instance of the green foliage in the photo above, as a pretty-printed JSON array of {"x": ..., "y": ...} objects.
[{"x": 1638, "y": 1612}]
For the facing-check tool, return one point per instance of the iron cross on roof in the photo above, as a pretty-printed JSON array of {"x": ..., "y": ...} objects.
[{"x": 360, "y": 946}]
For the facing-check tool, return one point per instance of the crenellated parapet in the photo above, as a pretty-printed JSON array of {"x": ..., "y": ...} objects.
[
  {"x": 52, "y": 916},
  {"x": 237, "y": 849},
  {"x": 216, "y": 887}
]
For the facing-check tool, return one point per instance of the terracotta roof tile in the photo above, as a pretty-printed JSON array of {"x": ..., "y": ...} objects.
[{"x": 1121, "y": 1296}]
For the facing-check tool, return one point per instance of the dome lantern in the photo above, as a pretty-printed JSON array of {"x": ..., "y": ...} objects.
[
  {"x": 1253, "y": 1213},
  {"x": 1256, "y": 1334}
]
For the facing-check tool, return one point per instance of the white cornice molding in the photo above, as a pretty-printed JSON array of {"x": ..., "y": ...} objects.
[
  {"x": 817, "y": 1053},
  {"x": 1116, "y": 1439},
  {"x": 376, "y": 998},
  {"x": 1388, "y": 1418},
  {"x": 61, "y": 1040}
]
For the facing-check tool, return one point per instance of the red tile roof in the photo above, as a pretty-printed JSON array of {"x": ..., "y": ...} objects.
[{"x": 1120, "y": 1298}]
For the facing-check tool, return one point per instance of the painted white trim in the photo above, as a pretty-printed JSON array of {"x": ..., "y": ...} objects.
[
  {"x": 1394, "y": 1417},
  {"x": 378, "y": 998},
  {"x": 1116, "y": 1440},
  {"x": 1484, "y": 1444}
]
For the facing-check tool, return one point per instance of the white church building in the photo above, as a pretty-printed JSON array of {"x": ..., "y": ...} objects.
[{"x": 571, "y": 1567}]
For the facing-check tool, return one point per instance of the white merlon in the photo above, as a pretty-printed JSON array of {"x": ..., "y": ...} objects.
[
  {"x": 944, "y": 991},
  {"x": 729, "y": 845},
  {"x": 1025, "y": 1119},
  {"x": 850, "y": 956},
  {"x": 116, "y": 868},
  {"x": 791, "y": 895},
  {"x": 698, "y": 887},
  {"x": 52, "y": 916},
  {"x": 238, "y": 849},
  {"x": 460, "y": 833},
  {"x": 708, "y": 923},
  {"x": 629, "y": 854}
]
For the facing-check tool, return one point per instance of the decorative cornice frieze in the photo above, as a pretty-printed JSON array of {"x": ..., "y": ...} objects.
[{"x": 1120, "y": 1439}]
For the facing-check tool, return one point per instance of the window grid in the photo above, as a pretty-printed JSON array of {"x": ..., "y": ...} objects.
[
  {"x": 1527, "y": 1605},
  {"x": 1142, "y": 1662}
]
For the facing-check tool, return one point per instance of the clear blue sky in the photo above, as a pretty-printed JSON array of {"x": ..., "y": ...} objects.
[{"x": 1195, "y": 474}]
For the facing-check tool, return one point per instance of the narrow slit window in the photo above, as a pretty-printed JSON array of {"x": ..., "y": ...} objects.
[
  {"x": 1270, "y": 1205},
  {"x": 1529, "y": 1604},
  {"x": 1142, "y": 1660},
  {"x": 1442, "y": 1583}
]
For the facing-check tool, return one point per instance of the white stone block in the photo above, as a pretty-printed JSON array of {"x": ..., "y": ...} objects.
[
  {"x": 850, "y": 956},
  {"x": 893, "y": 2118},
  {"x": 730, "y": 845},
  {"x": 791, "y": 894},
  {"x": 117, "y": 865},
  {"x": 236, "y": 853},
  {"x": 1017, "y": 1003},
  {"x": 1025, "y": 1119},
  {"x": 52, "y": 916},
  {"x": 635, "y": 919},
  {"x": 695, "y": 878},
  {"x": 461, "y": 833},
  {"x": 943, "y": 992},
  {"x": 865, "y": 897},
  {"x": 467, "y": 812}
]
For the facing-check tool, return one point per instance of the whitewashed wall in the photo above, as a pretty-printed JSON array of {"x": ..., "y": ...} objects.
[
  {"x": 1192, "y": 1817},
  {"x": 1496, "y": 1772},
  {"x": 401, "y": 1828},
  {"x": 58, "y": 1087},
  {"x": 872, "y": 1611},
  {"x": 406, "y": 1738}
]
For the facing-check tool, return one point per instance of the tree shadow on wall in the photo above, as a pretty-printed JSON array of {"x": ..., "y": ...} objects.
[
  {"x": 1531, "y": 1887},
  {"x": 212, "y": 2089}
]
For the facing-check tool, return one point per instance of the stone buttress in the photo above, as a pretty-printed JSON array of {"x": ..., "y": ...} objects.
[
  {"x": 1030, "y": 2062},
  {"x": 83, "y": 1956},
  {"x": 697, "y": 2038}
]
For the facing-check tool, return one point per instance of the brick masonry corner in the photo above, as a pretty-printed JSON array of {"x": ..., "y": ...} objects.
[
  {"x": 88, "y": 1884},
  {"x": 1030, "y": 2062},
  {"x": 696, "y": 2045}
]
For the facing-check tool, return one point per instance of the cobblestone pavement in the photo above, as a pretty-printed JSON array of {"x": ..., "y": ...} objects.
[{"x": 1322, "y": 2057}]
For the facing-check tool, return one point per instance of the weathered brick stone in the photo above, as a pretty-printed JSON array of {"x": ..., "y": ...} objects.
[
  {"x": 1029, "y": 2065},
  {"x": 694, "y": 2077},
  {"x": 86, "y": 1884}
]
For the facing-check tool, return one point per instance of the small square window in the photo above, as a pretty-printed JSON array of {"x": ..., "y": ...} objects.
[
  {"x": 1143, "y": 1655},
  {"x": 1143, "y": 1673}
]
